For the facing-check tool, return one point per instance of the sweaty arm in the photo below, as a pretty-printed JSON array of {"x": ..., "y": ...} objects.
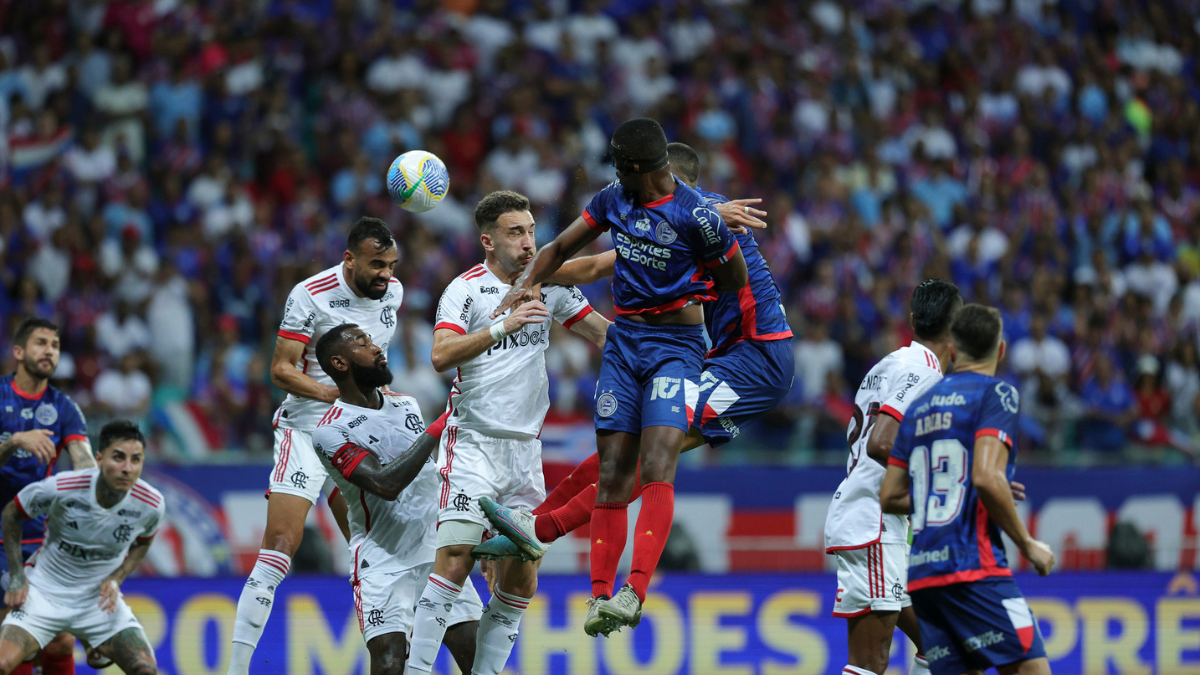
[
  {"x": 586, "y": 270},
  {"x": 548, "y": 260},
  {"x": 894, "y": 496},
  {"x": 284, "y": 374},
  {"x": 386, "y": 482}
]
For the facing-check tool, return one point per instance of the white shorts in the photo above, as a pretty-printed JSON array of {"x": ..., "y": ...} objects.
[
  {"x": 872, "y": 579},
  {"x": 44, "y": 616},
  {"x": 298, "y": 471},
  {"x": 386, "y": 595},
  {"x": 472, "y": 465}
]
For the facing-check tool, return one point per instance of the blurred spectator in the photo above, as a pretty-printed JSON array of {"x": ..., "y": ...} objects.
[
  {"x": 1041, "y": 353},
  {"x": 1110, "y": 407},
  {"x": 123, "y": 391},
  {"x": 122, "y": 331}
]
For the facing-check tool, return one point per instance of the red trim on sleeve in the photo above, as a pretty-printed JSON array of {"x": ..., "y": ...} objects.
[
  {"x": 1004, "y": 438},
  {"x": 587, "y": 309},
  {"x": 299, "y": 337},
  {"x": 348, "y": 457},
  {"x": 438, "y": 426},
  {"x": 336, "y": 491},
  {"x": 895, "y": 461},
  {"x": 892, "y": 413},
  {"x": 451, "y": 326},
  {"x": 73, "y": 437},
  {"x": 21, "y": 508},
  {"x": 724, "y": 258},
  {"x": 592, "y": 222}
]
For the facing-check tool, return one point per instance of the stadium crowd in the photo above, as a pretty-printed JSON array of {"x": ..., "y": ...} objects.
[{"x": 172, "y": 167}]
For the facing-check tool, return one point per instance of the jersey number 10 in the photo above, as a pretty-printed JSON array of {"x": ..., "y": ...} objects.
[{"x": 939, "y": 482}]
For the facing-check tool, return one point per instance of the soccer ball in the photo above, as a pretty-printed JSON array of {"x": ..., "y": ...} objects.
[{"x": 418, "y": 181}]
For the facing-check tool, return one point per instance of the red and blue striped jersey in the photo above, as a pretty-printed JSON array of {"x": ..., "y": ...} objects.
[
  {"x": 753, "y": 313},
  {"x": 954, "y": 539},
  {"x": 21, "y": 411},
  {"x": 665, "y": 248}
]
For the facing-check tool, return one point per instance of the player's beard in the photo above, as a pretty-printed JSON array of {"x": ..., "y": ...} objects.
[
  {"x": 38, "y": 368},
  {"x": 364, "y": 287},
  {"x": 368, "y": 378}
]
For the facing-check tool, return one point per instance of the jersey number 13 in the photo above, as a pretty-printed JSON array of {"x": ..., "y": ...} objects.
[{"x": 939, "y": 482}]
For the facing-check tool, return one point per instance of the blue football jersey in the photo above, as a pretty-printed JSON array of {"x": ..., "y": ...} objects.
[
  {"x": 21, "y": 411},
  {"x": 954, "y": 540},
  {"x": 664, "y": 248},
  {"x": 753, "y": 313}
]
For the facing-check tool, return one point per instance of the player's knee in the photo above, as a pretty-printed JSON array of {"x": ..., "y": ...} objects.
[
  {"x": 658, "y": 468},
  {"x": 61, "y": 645},
  {"x": 143, "y": 668}
]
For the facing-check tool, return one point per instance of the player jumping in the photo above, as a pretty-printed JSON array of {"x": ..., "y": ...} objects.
[
  {"x": 746, "y": 374},
  {"x": 372, "y": 444},
  {"x": 958, "y": 447},
  {"x": 497, "y": 406},
  {"x": 361, "y": 290},
  {"x": 872, "y": 548},
  {"x": 668, "y": 239},
  {"x": 37, "y": 423},
  {"x": 102, "y": 522}
]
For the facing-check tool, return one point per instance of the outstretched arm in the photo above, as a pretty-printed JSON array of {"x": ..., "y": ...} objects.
[
  {"x": 585, "y": 270},
  {"x": 547, "y": 261}
]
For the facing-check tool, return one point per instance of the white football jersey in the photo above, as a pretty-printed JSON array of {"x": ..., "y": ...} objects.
[
  {"x": 855, "y": 519},
  {"x": 313, "y": 307},
  {"x": 402, "y": 530},
  {"x": 503, "y": 392},
  {"x": 84, "y": 541}
]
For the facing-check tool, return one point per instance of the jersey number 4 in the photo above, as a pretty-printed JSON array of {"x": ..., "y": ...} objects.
[{"x": 939, "y": 482}]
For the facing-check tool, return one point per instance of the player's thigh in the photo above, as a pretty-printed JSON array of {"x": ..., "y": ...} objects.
[
  {"x": 939, "y": 636},
  {"x": 1038, "y": 666},
  {"x": 42, "y": 617},
  {"x": 297, "y": 471},
  {"x": 130, "y": 651},
  {"x": 618, "y": 384},
  {"x": 388, "y": 653},
  {"x": 16, "y": 645},
  {"x": 524, "y": 483},
  {"x": 468, "y": 470}
]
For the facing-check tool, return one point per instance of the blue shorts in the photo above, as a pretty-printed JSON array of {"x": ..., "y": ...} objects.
[
  {"x": 642, "y": 376},
  {"x": 743, "y": 383},
  {"x": 976, "y": 625},
  {"x": 27, "y": 550}
]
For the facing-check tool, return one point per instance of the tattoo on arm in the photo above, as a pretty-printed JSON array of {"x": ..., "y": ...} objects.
[
  {"x": 130, "y": 652},
  {"x": 7, "y": 448},
  {"x": 11, "y": 521},
  {"x": 132, "y": 559},
  {"x": 388, "y": 481},
  {"x": 82, "y": 456}
]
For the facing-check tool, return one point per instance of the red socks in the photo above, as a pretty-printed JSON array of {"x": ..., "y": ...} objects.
[
  {"x": 574, "y": 514},
  {"x": 587, "y": 473},
  {"x": 58, "y": 664},
  {"x": 610, "y": 526},
  {"x": 653, "y": 526},
  {"x": 25, "y": 668}
]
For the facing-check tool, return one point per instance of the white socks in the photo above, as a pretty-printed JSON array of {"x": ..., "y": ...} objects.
[
  {"x": 919, "y": 666},
  {"x": 855, "y": 670},
  {"x": 498, "y": 632},
  {"x": 429, "y": 623},
  {"x": 254, "y": 607}
]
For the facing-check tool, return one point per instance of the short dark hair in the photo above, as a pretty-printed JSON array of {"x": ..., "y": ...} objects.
[
  {"x": 976, "y": 331},
  {"x": 369, "y": 228},
  {"x": 26, "y": 328},
  {"x": 934, "y": 303},
  {"x": 328, "y": 345},
  {"x": 120, "y": 430},
  {"x": 640, "y": 138},
  {"x": 496, "y": 204},
  {"x": 685, "y": 163}
]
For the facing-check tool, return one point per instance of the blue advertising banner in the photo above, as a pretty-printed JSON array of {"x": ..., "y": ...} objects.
[{"x": 693, "y": 625}]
